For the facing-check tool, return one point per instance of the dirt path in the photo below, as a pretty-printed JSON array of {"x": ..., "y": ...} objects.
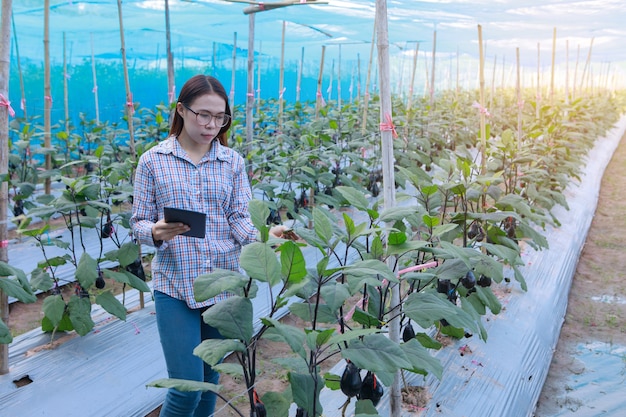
[{"x": 591, "y": 352}]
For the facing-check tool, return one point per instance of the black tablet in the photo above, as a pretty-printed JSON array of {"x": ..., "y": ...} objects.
[{"x": 194, "y": 219}]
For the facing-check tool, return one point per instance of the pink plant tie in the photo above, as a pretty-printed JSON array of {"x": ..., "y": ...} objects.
[
  {"x": 387, "y": 125},
  {"x": 282, "y": 92},
  {"x": 481, "y": 109},
  {"x": 321, "y": 97},
  {"x": 250, "y": 94},
  {"x": 94, "y": 89},
  {"x": 170, "y": 95},
  {"x": 48, "y": 98},
  {"x": 23, "y": 103},
  {"x": 520, "y": 104},
  {"x": 262, "y": 7},
  {"x": 130, "y": 104},
  {"x": 4, "y": 244},
  {"x": 6, "y": 103}
]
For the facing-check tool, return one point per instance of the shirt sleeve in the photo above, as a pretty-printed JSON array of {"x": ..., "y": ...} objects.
[
  {"x": 145, "y": 212},
  {"x": 242, "y": 228}
]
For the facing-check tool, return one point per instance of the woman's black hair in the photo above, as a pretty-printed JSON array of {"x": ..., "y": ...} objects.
[{"x": 196, "y": 86}]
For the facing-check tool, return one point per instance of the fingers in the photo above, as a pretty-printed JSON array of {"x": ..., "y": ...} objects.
[{"x": 167, "y": 231}]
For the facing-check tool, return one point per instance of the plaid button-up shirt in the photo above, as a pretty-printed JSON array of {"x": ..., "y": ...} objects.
[{"x": 217, "y": 186}]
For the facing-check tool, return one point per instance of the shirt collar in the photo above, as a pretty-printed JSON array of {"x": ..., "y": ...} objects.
[{"x": 217, "y": 151}]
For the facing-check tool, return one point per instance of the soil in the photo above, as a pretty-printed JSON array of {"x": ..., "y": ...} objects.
[
  {"x": 596, "y": 309},
  {"x": 599, "y": 275}
]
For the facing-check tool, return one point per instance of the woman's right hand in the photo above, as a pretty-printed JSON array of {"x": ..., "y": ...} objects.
[{"x": 162, "y": 231}]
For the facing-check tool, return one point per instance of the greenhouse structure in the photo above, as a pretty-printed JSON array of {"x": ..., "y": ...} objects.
[{"x": 422, "y": 179}]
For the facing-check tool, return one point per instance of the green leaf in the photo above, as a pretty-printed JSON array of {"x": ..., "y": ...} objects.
[
  {"x": 136, "y": 282},
  {"x": 303, "y": 310},
  {"x": 260, "y": 262},
  {"x": 488, "y": 298},
  {"x": 121, "y": 277},
  {"x": 209, "y": 285},
  {"x": 376, "y": 353},
  {"x": 370, "y": 267},
  {"x": 293, "y": 265},
  {"x": 5, "y": 334},
  {"x": 13, "y": 288},
  {"x": 232, "y": 318},
  {"x": 40, "y": 279},
  {"x": 291, "y": 335},
  {"x": 365, "y": 408},
  {"x": 421, "y": 360},
  {"x": 365, "y": 319},
  {"x": 111, "y": 304},
  {"x": 53, "y": 308},
  {"x": 335, "y": 295},
  {"x": 305, "y": 393},
  {"x": 87, "y": 270},
  {"x": 79, "y": 310},
  {"x": 128, "y": 253},
  {"x": 427, "y": 341},
  {"x": 212, "y": 351},
  {"x": 276, "y": 404},
  {"x": 232, "y": 369},
  {"x": 259, "y": 212},
  {"x": 184, "y": 385},
  {"x": 322, "y": 226},
  {"x": 356, "y": 198},
  {"x": 426, "y": 308}
]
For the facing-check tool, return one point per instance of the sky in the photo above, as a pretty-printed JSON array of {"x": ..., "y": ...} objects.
[{"x": 341, "y": 29}]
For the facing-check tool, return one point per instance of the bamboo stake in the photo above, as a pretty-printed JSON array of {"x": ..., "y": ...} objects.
[
  {"x": 258, "y": 76},
  {"x": 171, "y": 87},
  {"x": 65, "y": 93},
  {"x": 493, "y": 82},
  {"x": 95, "y": 82},
  {"x": 389, "y": 195},
  {"x": 518, "y": 91},
  {"x": 329, "y": 90},
  {"x": 47, "y": 93},
  {"x": 575, "y": 73},
  {"x": 5, "y": 50},
  {"x": 587, "y": 63},
  {"x": 250, "y": 91},
  {"x": 366, "y": 97},
  {"x": 567, "y": 71},
  {"x": 129, "y": 95},
  {"x": 481, "y": 81},
  {"x": 413, "y": 71},
  {"x": 456, "y": 91},
  {"x": 319, "y": 97},
  {"x": 19, "y": 70},
  {"x": 231, "y": 97},
  {"x": 358, "y": 76},
  {"x": 553, "y": 67},
  {"x": 339, "y": 80},
  {"x": 281, "y": 78},
  {"x": 432, "y": 72},
  {"x": 299, "y": 80},
  {"x": 538, "y": 106}
]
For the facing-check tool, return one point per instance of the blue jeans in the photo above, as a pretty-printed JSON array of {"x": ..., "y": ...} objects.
[{"x": 181, "y": 329}]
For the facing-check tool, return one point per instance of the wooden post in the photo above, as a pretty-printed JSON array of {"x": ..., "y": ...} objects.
[
  {"x": 258, "y": 77},
  {"x": 481, "y": 82},
  {"x": 518, "y": 91},
  {"x": 586, "y": 67},
  {"x": 413, "y": 71},
  {"x": 389, "y": 191},
  {"x": 538, "y": 105},
  {"x": 231, "y": 96},
  {"x": 171, "y": 83},
  {"x": 130, "y": 109},
  {"x": 339, "y": 80},
  {"x": 95, "y": 81},
  {"x": 281, "y": 78},
  {"x": 432, "y": 72},
  {"x": 250, "y": 91},
  {"x": 47, "y": 107},
  {"x": 553, "y": 65},
  {"x": 19, "y": 69},
  {"x": 367, "y": 80},
  {"x": 66, "y": 103},
  {"x": 5, "y": 51},
  {"x": 299, "y": 80},
  {"x": 319, "y": 97}
]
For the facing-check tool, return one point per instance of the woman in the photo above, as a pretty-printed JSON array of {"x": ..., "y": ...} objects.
[{"x": 192, "y": 169}]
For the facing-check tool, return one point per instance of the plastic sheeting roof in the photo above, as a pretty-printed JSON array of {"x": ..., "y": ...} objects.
[{"x": 197, "y": 24}]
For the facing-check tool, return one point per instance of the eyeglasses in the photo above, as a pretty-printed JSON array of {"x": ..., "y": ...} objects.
[{"x": 204, "y": 119}]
